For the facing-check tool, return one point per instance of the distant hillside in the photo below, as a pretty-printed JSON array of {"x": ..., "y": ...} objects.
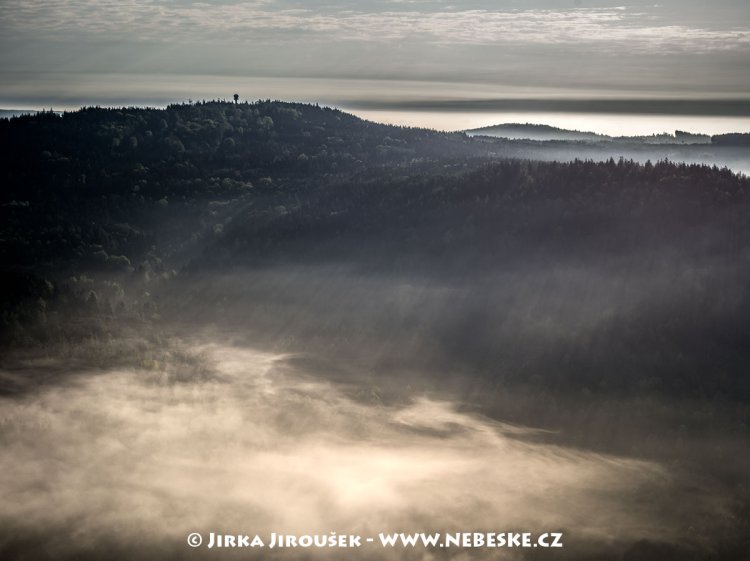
[
  {"x": 129, "y": 188},
  {"x": 9, "y": 113},
  {"x": 535, "y": 132},
  {"x": 144, "y": 189},
  {"x": 733, "y": 139},
  {"x": 98, "y": 187},
  {"x": 546, "y": 133}
]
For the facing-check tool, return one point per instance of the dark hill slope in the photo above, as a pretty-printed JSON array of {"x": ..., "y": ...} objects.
[
  {"x": 124, "y": 180},
  {"x": 608, "y": 274}
]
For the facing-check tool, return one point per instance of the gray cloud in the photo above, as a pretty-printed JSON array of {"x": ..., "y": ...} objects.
[{"x": 250, "y": 21}]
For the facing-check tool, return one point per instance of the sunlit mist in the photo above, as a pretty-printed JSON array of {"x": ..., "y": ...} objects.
[{"x": 258, "y": 446}]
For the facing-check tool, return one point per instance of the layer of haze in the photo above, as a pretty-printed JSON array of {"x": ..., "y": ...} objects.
[
  {"x": 605, "y": 123},
  {"x": 240, "y": 441}
]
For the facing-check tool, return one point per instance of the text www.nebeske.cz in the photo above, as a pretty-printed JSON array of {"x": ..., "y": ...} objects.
[{"x": 394, "y": 540}]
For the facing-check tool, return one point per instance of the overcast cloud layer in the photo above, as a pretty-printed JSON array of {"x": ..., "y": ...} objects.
[
  {"x": 461, "y": 51},
  {"x": 245, "y": 22}
]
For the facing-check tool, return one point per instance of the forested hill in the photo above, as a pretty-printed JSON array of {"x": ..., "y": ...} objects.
[
  {"x": 132, "y": 195},
  {"x": 113, "y": 213},
  {"x": 108, "y": 187},
  {"x": 105, "y": 177},
  {"x": 127, "y": 189},
  {"x": 103, "y": 148}
]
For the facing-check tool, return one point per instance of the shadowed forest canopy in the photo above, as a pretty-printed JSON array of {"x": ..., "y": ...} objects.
[
  {"x": 119, "y": 213},
  {"x": 103, "y": 186}
]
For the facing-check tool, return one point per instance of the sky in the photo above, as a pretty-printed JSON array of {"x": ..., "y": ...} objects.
[{"x": 435, "y": 62}]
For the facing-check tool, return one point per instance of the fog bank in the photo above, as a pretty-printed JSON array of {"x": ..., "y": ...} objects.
[{"x": 132, "y": 460}]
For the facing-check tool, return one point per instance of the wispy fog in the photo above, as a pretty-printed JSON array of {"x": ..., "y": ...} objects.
[{"x": 242, "y": 441}]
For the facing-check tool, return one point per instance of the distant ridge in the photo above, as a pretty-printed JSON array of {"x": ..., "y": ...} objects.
[
  {"x": 9, "y": 113},
  {"x": 545, "y": 133},
  {"x": 530, "y": 131}
]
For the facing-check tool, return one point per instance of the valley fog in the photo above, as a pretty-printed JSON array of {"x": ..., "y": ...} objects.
[
  {"x": 309, "y": 399},
  {"x": 229, "y": 439}
]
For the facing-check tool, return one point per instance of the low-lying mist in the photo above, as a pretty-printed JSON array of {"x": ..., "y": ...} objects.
[{"x": 129, "y": 461}]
